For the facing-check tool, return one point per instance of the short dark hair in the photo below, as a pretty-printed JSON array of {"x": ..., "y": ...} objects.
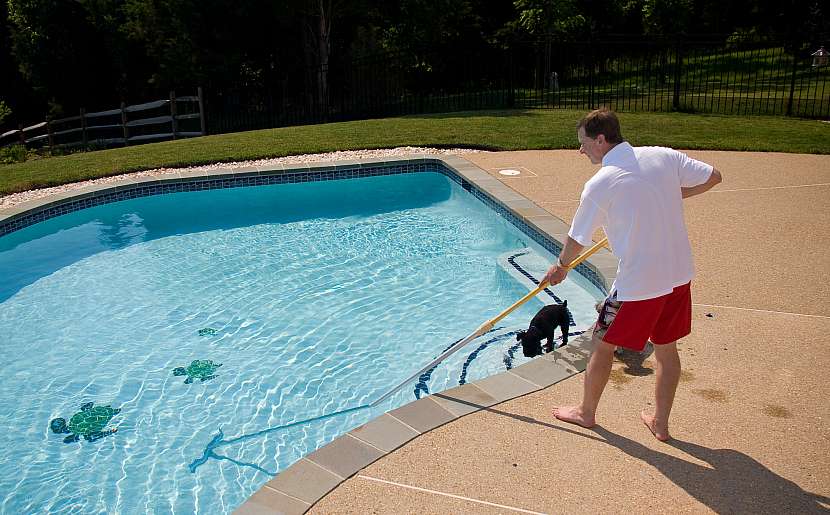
[{"x": 601, "y": 121}]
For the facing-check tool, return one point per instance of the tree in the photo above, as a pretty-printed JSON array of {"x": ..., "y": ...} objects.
[
  {"x": 549, "y": 17},
  {"x": 59, "y": 50},
  {"x": 665, "y": 17}
]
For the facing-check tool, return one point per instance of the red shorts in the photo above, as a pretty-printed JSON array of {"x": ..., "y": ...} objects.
[{"x": 662, "y": 319}]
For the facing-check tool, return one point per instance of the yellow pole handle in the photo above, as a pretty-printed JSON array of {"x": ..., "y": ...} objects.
[{"x": 544, "y": 284}]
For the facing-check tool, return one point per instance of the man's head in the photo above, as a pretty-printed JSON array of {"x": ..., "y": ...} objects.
[{"x": 598, "y": 132}]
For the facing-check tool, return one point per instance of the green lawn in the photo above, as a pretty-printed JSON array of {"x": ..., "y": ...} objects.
[{"x": 495, "y": 130}]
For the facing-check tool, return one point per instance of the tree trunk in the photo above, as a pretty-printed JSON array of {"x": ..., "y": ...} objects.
[{"x": 324, "y": 48}]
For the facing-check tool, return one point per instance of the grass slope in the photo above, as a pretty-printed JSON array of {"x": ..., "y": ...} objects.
[{"x": 495, "y": 130}]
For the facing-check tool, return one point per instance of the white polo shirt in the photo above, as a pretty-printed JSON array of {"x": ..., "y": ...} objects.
[{"x": 636, "y": 198}]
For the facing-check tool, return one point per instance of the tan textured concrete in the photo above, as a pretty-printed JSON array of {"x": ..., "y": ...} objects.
[{"x": 751, "y": 416}]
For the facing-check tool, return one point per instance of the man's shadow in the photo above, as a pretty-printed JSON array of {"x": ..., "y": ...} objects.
[
  {"x": 732, "y": 483},
  {"x": 735, "y": 483}
]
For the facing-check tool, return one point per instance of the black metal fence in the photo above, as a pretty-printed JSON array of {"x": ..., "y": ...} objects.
[
  {"x": 770, "y": 76},
  {"x": 750, "y": 77}
]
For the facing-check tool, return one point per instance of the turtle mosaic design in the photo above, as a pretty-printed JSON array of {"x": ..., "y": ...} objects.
[
  {"x": 202, "y": 369},
  {"x": 88, "y": 423},
  {"x": 207, "y": 331}
]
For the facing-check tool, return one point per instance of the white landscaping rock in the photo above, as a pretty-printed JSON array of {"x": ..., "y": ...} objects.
[{"x": 18, "y": 198}]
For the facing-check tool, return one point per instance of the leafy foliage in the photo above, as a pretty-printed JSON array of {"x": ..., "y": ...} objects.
[
  {"x": 4, "y": 111},
  {"x": 57, "y": 56},
  {"x": 12, "y": 154},
  {"x": 559, "y": 17}
]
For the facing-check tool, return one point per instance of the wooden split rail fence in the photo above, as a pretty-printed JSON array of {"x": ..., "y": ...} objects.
[{"x": 176, "y": 117}]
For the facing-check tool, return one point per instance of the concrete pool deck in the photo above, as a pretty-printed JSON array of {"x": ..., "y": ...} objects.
[{"x": 750, "y": 422}]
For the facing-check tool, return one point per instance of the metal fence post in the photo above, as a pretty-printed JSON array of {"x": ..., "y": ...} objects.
[
  {"x": 591, "y": 72},
  {"x": 792, "y": 82},
  {"x": 678, "y": 62}
]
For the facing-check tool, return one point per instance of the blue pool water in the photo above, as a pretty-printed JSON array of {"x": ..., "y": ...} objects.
[{"x": 314, "y": 297}]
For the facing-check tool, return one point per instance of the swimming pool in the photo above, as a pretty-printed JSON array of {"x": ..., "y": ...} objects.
[{"x": 313, "y": 297}]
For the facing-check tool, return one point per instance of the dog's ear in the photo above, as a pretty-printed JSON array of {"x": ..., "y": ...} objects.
[{"x": 565, "y": 303}]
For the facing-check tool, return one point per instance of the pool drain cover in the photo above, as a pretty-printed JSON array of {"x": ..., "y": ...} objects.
[{"x": 509, "y": 171}]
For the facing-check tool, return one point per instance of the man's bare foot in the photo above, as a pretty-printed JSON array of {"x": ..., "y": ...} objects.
[
  {"x": 661, "y": 433},
  {"x": 574, "y": 415}
]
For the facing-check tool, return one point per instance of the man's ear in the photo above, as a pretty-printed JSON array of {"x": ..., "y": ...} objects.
[{"x": 600, "y": 139}]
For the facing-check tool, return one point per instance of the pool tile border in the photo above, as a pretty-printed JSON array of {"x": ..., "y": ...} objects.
[
  {"x": 300, "y": 486},
  {"x": 532, "y": 220}
]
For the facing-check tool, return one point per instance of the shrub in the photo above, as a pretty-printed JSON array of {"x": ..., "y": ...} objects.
[
  {"x": 12, "y": 154},
  {"x": 5, "y": 112}
]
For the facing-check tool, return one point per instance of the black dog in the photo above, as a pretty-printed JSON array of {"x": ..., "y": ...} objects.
[{"x": 542, "y": 326}]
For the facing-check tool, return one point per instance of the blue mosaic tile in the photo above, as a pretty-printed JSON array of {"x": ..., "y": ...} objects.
[{"x": 296, "y": 176}]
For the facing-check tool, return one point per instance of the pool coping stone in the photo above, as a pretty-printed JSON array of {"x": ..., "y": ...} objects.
[
  {"x": 465, "y": 399},
  {"x": 423, "y": 415},
  {"x": 305, "y": 480},
  {"x": 385, "y": 432},
  {"x": 264, "y": 500},
  {"x": 343, "y": 456}
]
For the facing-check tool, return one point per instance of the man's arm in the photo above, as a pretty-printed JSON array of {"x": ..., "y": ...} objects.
[
  {"x": 556, "y": 274},
  {"x": 714, "y": 179}
]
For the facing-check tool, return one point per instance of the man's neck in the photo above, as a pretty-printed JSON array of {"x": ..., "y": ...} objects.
[{"x": 609, "y": 149}]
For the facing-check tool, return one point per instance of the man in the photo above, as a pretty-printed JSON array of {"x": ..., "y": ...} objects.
[{"x": 636, "y": 197}]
